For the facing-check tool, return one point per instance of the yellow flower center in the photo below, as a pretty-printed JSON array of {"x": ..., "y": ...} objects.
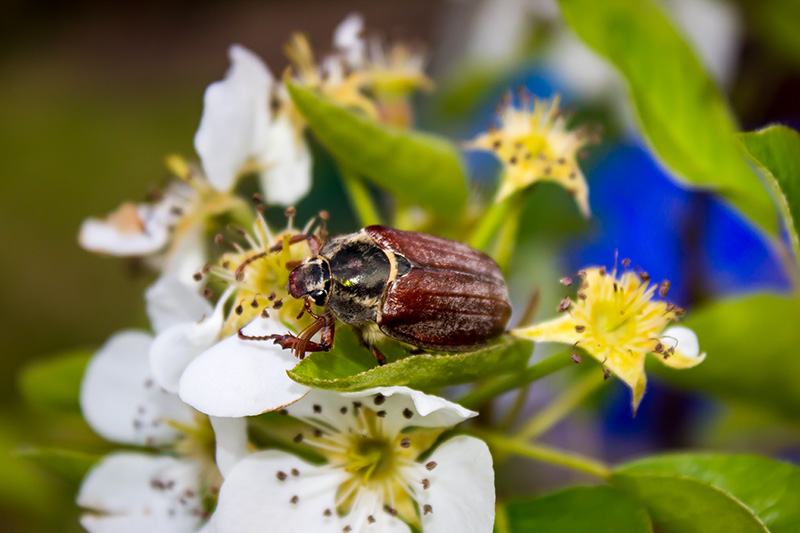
[
  {"x": 371, "y": 458},
  {"x": 534, "y": 144},
  {"x": 198, "y": 443},
  {"x": 260, "y": 276},
  {"x": 378, "y": 459},
  {"x": 620, "y": 312}
]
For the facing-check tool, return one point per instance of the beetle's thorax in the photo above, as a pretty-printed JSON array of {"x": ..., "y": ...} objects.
[{"x": 360, "y": 271}]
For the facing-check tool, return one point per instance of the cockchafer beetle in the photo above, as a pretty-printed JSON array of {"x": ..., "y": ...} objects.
[{"x": 425, "y": 291}]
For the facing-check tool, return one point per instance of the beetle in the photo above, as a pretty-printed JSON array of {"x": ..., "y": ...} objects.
[{"x": 425, "y": 291}]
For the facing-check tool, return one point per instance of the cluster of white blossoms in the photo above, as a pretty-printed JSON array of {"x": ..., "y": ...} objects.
[{"x": 184, "y": 398}]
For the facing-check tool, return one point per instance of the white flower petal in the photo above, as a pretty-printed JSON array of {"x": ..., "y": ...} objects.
[
  {"x": 286, "y": 177},
  {"x": 177, "y": 346},
  {"x": 231, "y": 438},
  {"x": 142, "y": 233},
  {"x": 138, "y": 523},
  {"x": 187, "y": 254},
  {"x": 235, "y": 118},
  {"x": 259, "y": 491},
  {"x": 135, "y": 492},
  {"x": 402, "y": 407},
  {"x": 461, "y": 491},
  {"x": 348, "y": 39},
  {"x": 371, "y": 503},
  {"x": 237, "y": 377},
  {"x": 683, "y": 339},
  {"x": 209, "y": 527},
  {"x": 170, "y": 301},
  {"x": 121, "y": 401}
]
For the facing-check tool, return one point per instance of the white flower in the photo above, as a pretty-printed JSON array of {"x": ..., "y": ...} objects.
[
  {"x": 169, "y": 231},
  {"x": 237, "y": 129},
  {"x": 377, "y": 477},
  {"x": 238, "y": 377},
  {"x": 121, "y": 401},
  {"x": 235, "y": 377},
  {"x": 164, "y": 231},
  {"x": 349, "y": 41},
  {"x": 185, "y": 326},
  {"x": 134, "y": 492},
  {"x": 237, "y": 133}
]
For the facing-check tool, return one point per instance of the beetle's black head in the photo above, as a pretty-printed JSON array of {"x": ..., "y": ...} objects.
[{"x": 312, "y": 278}]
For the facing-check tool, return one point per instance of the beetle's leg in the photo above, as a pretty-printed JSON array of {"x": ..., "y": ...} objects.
[
  {"x": 302, "y": 343},
  {"x": 294, "y": 343},
  {"x": 378, "y": 355},
  {"x": 246, "y": 337},
  {"x": 307, "y": 306}
]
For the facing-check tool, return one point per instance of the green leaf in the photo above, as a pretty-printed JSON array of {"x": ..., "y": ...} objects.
[
  {"x": 69, "y": 465},
  {"x": 55, "y": 382},
  {"x": 776, "y": 150},
  {"x": 419, "y": 169},
  {"x": 22, "y": 488},
  {"x": 580, "y": 509},
  {"x": 715, "y": 492},
  {"x": 681, "y": 111},
  {"x": 335, "y": 371},
  {"x": 752, "y": 348}
]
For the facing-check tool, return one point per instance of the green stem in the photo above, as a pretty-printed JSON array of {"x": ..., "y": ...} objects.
[
  {"x": 504, "y": 245},
  {"x": 491, "y": 222},
  {"x": 545, "y": 454},
  {"x": 360, "y": 197},
  {"x": 485, "y": 392},
  {"x": 561, "y": 407},
  {"x": 519, "y": 402}
]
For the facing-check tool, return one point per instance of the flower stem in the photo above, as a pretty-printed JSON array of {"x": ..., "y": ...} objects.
[
  {"x": 493, "y": 219},
  {"x": 563, "y": 405},
  {"x": 489, "y": 390},
  {"x": 504, "y": 245},
  {"x": 545, "y": 454},
  {"x": 360, "y": 198},
  {"x": 519, "y": 402}
]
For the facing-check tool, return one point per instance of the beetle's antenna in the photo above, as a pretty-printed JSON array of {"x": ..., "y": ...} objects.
[
  {"x": 313, "y": 240},
  {"x": 239, "y": 274}
]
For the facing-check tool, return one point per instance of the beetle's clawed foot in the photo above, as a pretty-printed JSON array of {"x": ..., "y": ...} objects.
[{"x": 287, "y": 342}]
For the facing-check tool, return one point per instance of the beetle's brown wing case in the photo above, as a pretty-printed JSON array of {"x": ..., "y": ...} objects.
[
  {"x": 426, "y": 250},
  {"x": 454, "y": 298}
]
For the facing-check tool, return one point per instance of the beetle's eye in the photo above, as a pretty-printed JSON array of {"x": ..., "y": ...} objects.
[{"x": 319, "y": 297}]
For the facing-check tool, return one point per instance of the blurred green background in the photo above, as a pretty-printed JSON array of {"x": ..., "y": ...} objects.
[{"x": 92, "y": 98}]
